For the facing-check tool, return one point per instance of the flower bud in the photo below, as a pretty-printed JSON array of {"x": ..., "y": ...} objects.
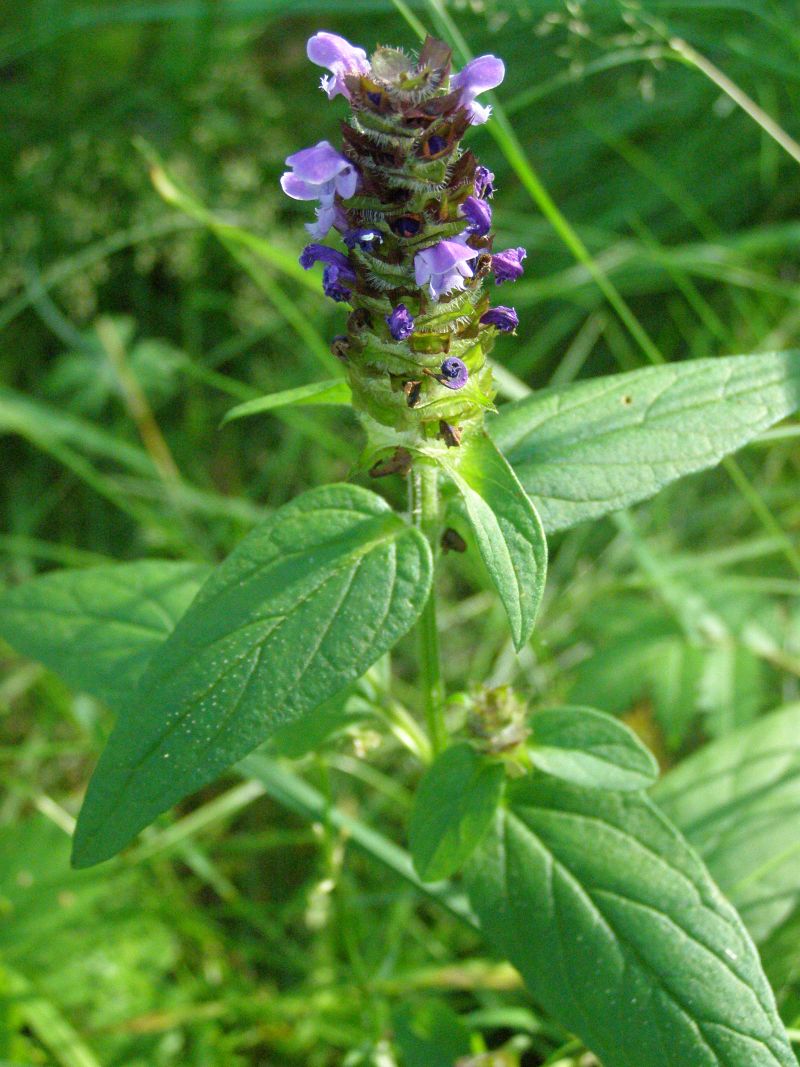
[
  {"x": 400, "y": 323},
  {"x": 503, "y": 318},
  {"x": 507, "y": 266}
]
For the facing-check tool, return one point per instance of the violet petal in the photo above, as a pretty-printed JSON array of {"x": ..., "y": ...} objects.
[
  {"x": 507, "y": 265},
  {"x": 365, "y": 237},
  {"x": 318, "y": 164},
  {"x": 400, "y": 323},
  {"x": 484, "y": 183},
  {"x": 316, "y": 253},
  {"x": 453, "y": 373},
  {"x": 503, "y": 318},
  {"x": 444, "y": 266},
  {"x": 479, "y": 214},
  {"x": 479, "y": 75},
  {"x": 332, "y": 283},
  {"x": 339, "y": 57}
]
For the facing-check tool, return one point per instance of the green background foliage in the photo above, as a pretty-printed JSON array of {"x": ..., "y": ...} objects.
[{"x": 661, "y": 221}]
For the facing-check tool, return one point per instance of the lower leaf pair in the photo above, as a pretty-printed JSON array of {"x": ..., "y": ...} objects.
[{"x": 587, "y": 888}]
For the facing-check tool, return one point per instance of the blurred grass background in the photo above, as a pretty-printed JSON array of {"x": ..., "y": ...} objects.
[{"x": 128, "y": 328}]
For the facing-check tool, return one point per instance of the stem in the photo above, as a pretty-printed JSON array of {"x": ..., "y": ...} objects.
[{"x": 424, "y": 508}]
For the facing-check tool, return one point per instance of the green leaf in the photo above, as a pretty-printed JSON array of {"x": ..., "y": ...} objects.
[
  {"x": 507, "y": 529},
  {"x": 738, "y": 802},
  {"x": 591, "y": 749},
  {"x": 299, "y": 610},
  {"x": 599, "y": 445},
  {"x": 453, "y": 809},
  {"x": 620, "y": 933},
  {"x": 336, "y": 391},
  {"x": 98, "y": 627}
]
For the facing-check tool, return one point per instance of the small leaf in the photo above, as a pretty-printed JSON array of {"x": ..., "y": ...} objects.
[
  {"x": 737, "y": 801},
  {"x": 453, "y": 809},
  {"x": 591, "y": 749},
  {"x": 597, "y": 446},
  {"x": 619, "y": 932},
  {"x": 304, "y": 605},
  {"x": 98, "y": 627},
  {"x": 335, "y": 392},
  {"x": 507, "y": 529}
]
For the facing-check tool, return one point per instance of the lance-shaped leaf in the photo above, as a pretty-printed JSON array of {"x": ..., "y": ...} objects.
[
  {"x": 507, "y": 529},
  {"x": 304, "y": 605},
  {"x": 620, "y": 933},
  {"x": 600, "y": 445},
  {"x": 738, "y": 802},
  {"x": 98, "y": 627}
]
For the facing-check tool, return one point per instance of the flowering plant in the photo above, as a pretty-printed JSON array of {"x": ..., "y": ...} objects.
[{"x": 569, "y": 866}]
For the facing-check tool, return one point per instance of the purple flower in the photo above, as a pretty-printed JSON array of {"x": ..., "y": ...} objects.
[
  {"x": 328, "y": 214},
  {"x": 453, "y": 373},
  {"x": 400, "y": 323},
  {"x": 485, "y": 72},
  {"x": 507, "y": 266},
  {"x": 340, "y": 57},
  {"x": 484, "y": 183},
  {"x": 315, "y": 253},
  {"x": 502, "y": 317},
  {"x": 365, "y": 237},
  {"x": 444, "y": 266},
  {"x": 479, "y": 214},
  {"x": 333, "y": 282},
  {"x": 319, "y": 173}
]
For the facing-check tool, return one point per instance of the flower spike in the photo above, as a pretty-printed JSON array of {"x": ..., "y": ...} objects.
[{"x": 410, "y": 210}]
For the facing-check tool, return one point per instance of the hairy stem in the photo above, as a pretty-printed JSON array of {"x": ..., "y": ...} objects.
[{"x": 424, "y": 510}]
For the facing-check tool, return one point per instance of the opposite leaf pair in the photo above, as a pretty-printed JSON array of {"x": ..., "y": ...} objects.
[{"x": 460, "y": 794}]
